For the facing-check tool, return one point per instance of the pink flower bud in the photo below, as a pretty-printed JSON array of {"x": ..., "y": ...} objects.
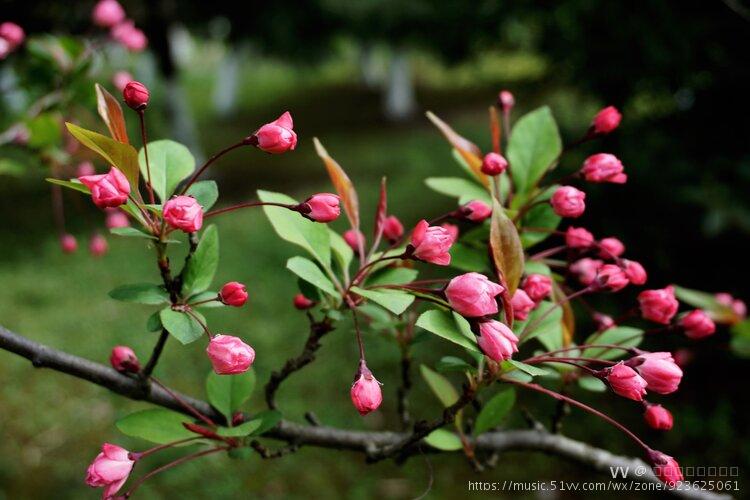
[
  {"x": 98, "y": 245},
  {"x": 108, "y": 13},
  {"x": 606, "y": 120},
  {"x": 611, "y": 278},
  {"x": 522, "y": 305},
  {"x": 229, "y": 355},
  {"x": 634, "y": 271},
  {"x": 110, "y": 469},
  {"x": 5, "y": 48},
  {"x": 659, "y": 418},
  {"x": 124, "y": 360},
  {"x": 496, "y": 340},
  {"x": 625, "y": 382},
  {"x": 136, "y": 95},
  {"x": 603, "y": 322},
  {"x": 301, "y": 302},
  {"x": 505, "y": 100},
  {"x": 586, "y": 269},
  {"x": 68, "y": 243},
  {"x": 431, "y": 243},
  {"x": 323, "y": 207},
  {"x": 494, "y": 164},
  {"x": 116, "y": 218},
  {"x": 537, "y": 286},
  {"x": 13, "y": 34},
  {"x": 183, "y": 212},
  {"x": 233, "y": 294},
  {"x": 365, "y": 392},
  {"x": 276, "y": 137},
  {"x": 738, "y": 307},
  {"x": 659, "y": 370},
  {"x": 452, "y": 230},
  {"x": 121, "y": 80},
  {"x": 473, "y": 295},
  {"x": 85, "y": 168},
  {"x": 568, "y": 201},
  {"x": 578, "y": 237},
  {"x": 603, "y": 167},
  {"x": 393, "y": 230},
  {"x": 610, "y": 248},
  {"x": 665, "y": 467},
  {"x": 130, "y": 37},
  {"x": 107, "y": 190},
  {"x": 476, "y": 211},
  {"x": 658, "y": 305},
  {"x": 353, "y": 238},
  {"x": 697, "y": 324}
]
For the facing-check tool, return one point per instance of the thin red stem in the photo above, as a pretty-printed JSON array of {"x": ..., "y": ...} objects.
[
  {"x": 245, "y": 205},
  {"x": 185, "y": 404},
  {"x": 208, "y": 163}
]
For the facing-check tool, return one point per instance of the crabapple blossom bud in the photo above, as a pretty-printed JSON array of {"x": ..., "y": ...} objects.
[
  {"x": 606, "y": 120},
  {"x": 496, "y": 340},
  {"x": 123, "y": 359},
  {"x": 603, "y": 321},
  {"x": 611, "y": 278},
  {"x": 107, "y": 190},
  {"x": 130, "y": 37},
  {"x": 431, "y": 243},
  {"x": 697, "y": 324},
  {"x": 136, "y": 95},
  {"x": 603, "y": 167},
  {"x": 108, "y": 13},
  {"x": 354, "y": 238},
  {"x": 116, "y": 218},
  {"x": 659, "y": 418},
  {"x": 110, "y": 469},
  {"x": 586, "y": 269},
  {"x": 610, "y": 248},
  {"x": 85, "y": 168},
  {"x": 68, "y": 243},
  {"x": 366, "y": 394},
  {"x": 275, "y": 137},
  {"x": 233, "y": 294},
  {"x": 537, "y": 286},
  {"x": 658, "y": 305},
  {"x": 505, "y": 100},
  {"x": 476, "y": 211},
  {"x": 183, "y": 212},
  {"x": 625, "y": 382},
  {"x": 568, "y": 201},
  {"x": 229, "y": 355},
  {"x": 665, "y": 467},
  {"x": 473, "y": 295},
  {"x": 13, "y": 34},
  {"x": 578, "y": 237},
  {"x": 494, "y": 164},
  {"x": 121, "y": 79},
  {"x": 393, "y": 230},
  {"x": 98, "y": 245},
  {"x": 452, "y": 230},
  {"x": 321, "y": 207},
  {"x": 522, "y": 305},
  {"x": 634, "y": 271},
  {"x": 301, "y": 302},
  {"x": 659, "y": 370},
  {"x": 738, "y": 307},
  {"x": 5, "y": 48}
]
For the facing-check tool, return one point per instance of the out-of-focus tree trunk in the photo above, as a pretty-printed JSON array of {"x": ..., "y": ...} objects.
[
  {"x": 227, "y": 81},
  {"x": 399, "y": 102},
  {"x": 368, "y": 67}
]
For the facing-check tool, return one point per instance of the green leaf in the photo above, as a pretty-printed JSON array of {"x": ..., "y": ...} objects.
[
  {"x": 392, "y": 276},
  {"x": 207, "y": 295},
  {"x": 244, "y": 429},
  {"x": 153, "y": 323},
  {"x": 592, "y": 384},
  {"x": 441, "y": 386},
  {"x": 534, "y": 146},
  {"x": 181, "y": 326},
  {"x": 467, "y": 258},
  {"x": 170, "y": 163},
  {"x": 10, "y": 166},
  {"x": 625, "y": 336},
  {"x": 157, "y": 425},
  {"x": 44, "y": 131},
  {"x": 540, "y": 216},
  {"x": 122, "y": 156},
  {"x": 74, "y": 184},
  {"x": 341, "y": 251},
  {"x": 549, "y": 330},
  {"x": 310, "y": 272},
  {"x": 458, "y": 187},
  {"x": 202, "y": 265},
  {"x": 534, "y": 371},
  {"x": 536, "y": 267},
  {"x": 141, "y": 293},
  {"x": 292, "y": 227},
  {"x": 495, "y": 410},
  {"x": 228, "y": 392},
  {"x": 205, "y": 193},
  {"x": 131, "y": 232},
  {"x": 706, "y": 301},
  {"x": 453, "y": 364},
  {"x": 394, "y": 300},
  {"x": 442, "y": 324},
  {"x": 442, "y": 439},
  {"x": 268, "y": 420}
]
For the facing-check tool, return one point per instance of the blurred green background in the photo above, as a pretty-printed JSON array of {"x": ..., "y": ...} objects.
[{"x": 678, "y": 71}]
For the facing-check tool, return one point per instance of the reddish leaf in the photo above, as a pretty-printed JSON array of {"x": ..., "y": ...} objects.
[
  {"x": 568, "y": 318},
  {"x": 111, "y": 112},
  {"x": 495, "y": 129},
  {"x": 382, "y": 210},
  {"x": 341, "y": 182},
  {"x": 506, "y": 249},
  {"x": 469, "y": 151}
]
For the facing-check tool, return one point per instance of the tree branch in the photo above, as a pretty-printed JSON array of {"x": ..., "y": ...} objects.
[{"x": 366, "y": 442}]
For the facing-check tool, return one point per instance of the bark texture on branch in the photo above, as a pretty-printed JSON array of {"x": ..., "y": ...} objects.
[{"x": 368, "y": 442}]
